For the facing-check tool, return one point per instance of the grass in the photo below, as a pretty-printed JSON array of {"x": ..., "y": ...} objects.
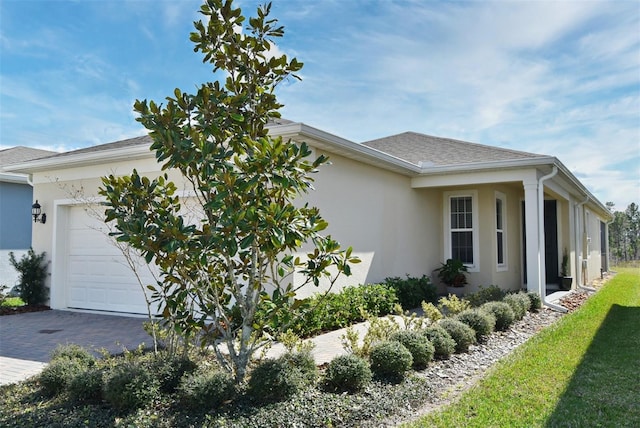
[{"x": 581, "y": 372}]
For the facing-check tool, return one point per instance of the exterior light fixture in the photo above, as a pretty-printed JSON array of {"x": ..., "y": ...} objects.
[{"x": 38, "y": 215}]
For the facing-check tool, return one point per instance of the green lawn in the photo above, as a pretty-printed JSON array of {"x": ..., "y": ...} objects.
[{"x": 584, "y": 371}]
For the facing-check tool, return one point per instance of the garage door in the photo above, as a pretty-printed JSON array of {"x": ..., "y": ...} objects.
[{"x": 98, "y": 276}]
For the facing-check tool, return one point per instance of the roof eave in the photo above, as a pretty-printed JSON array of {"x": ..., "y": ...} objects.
[
  {"x": 341, "y": 146},
  {"x": 81, "y": 159}
]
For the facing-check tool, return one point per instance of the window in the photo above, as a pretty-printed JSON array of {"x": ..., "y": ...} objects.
[
  {"x": 501, "y": 242},
  {"x": 461, "y": 214}
]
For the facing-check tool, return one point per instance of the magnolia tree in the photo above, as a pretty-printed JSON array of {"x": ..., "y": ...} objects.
[{"x": 227, "y": 278}]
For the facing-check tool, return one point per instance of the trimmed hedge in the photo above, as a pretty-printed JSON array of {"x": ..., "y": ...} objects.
[
  {"x": 421, "y": 349},
  {"x": 412, "y": 291},
  {"x": 347, "y": 373},
  {"x": 462, "y": 334},
  {"x": 482, "y": 322},
  {"x": 502, "y": 312},
  {"x": 442, "y": 342},
  {"x": 390, "y": 360},
  {"x": 206, "y": 389}
]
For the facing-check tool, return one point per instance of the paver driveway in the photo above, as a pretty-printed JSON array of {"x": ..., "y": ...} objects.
[{"x": 26, "y": 340}]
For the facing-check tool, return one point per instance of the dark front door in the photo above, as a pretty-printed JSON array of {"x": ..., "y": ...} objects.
[{"x": 551, "y": 241}]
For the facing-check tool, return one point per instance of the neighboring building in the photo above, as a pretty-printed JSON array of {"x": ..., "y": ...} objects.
[
  {"x": 15, "y": 210},
  {"x": 405, "y": 203}
]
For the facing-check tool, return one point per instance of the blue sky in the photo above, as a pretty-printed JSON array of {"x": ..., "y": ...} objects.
[{"x": 559, "y": 78}]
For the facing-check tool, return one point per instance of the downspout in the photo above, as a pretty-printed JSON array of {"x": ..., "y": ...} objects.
[
  {"x": 579, "y": 232},
  {"x": 541, "y": 273}
]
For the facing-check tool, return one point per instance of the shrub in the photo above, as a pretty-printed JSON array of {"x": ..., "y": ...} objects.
[
  {"x": 87, "y": 385},
  {"x": 304, "y": 362},
  {"x": 482, "y": 323},
  {"x": 169, "y": 369},
  {"x": 130, "y": 386},
  {"x": 390, "y": 360},
  {"x": 502, "y": 312},
  {"x": 206, "y": 389},
  {"x": 431, "y": 312},
  {"x": 492, "y": 293},
  {"x": 452, "y": 305},
  {"x": 56, "y": 376},
  {"x": 442, "y": 342},
  {"x": 421, "y": 349},
  {"x": 462, "y": 334},
  {"x": 73, "y": 352},
  {"x": 413, "y": 291},
  {"x": 32, "y": 271},
  {"x": 519, "y": 303},
  {"x": 278, "y": 379},
  {"x": 348, "y": 373},
  {"x": 536, "y": 301}
]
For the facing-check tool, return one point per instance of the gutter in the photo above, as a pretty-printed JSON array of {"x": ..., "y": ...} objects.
[{"x": 542, "y": 293}]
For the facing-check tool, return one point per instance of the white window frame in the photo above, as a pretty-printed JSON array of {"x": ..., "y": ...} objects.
[
  {"x": 501, "y": 267},
  {"x": 475, "y": 267}
]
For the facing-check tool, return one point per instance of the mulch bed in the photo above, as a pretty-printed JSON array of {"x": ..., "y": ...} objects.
[{"x": 23, "y": 309}]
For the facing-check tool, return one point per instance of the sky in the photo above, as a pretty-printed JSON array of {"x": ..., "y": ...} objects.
[{"x": 560, "y": 78}]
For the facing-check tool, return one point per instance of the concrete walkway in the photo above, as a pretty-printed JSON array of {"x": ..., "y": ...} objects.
[{"x": 26, "y": 340}]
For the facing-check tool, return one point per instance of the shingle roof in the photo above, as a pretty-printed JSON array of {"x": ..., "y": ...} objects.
[
  {"x": 421, "y": 149},
  {"x": 22, "y": 154},
  {"x": 136, "y": 141}
]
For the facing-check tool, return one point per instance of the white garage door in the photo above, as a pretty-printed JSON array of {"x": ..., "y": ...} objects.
[{"x": 98, "y": 276}]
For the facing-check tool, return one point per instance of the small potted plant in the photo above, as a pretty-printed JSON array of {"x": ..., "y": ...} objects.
[
  {"x": 565, "y": 280},
  {"x": 452, "y": 273}
]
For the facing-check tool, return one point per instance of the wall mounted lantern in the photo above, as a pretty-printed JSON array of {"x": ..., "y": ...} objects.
[{"x": 36, "y": 213}]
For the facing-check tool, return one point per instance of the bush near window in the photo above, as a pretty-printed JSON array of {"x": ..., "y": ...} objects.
[
  {"x": 420, "y": 347},
  {"x": 452, "y": 305},
  {"x": 412, "y": 291},
  {"x": 347, "y": 373},
  {"x": 442, "y": 342},
  {"x": 206, "y": 389},
  {"x": 482, "y": 323},
  {"x": 462, "y": 334},
  {"x": 502, "y": 312},
  {"x": 390, "y": 360},
  {"x": 492, "y": 293}
]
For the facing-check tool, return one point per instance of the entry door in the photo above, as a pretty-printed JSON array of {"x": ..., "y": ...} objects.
[{"x": 551, "y": 241}]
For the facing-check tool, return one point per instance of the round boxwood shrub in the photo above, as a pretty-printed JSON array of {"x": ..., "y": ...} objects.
[
  {"x": 502, "y": 312},
  {"x": 57, "y": 375},
  {"x": 130, "y": 386},
  {"x": 348, "y": 373},
  {"x": 305, "y": 363},
  {"x": 169, "y": 369},
  {"x": 421, "y": 349},
  {"x": 73, "y": 352},
  {"x": 462, "y": 334},
  {"x": 206, "y": 389},
  {"x": 519, "y": 303},
  {"x": 536, "y": 302},
  {"x": 442, "y": 342},
  {"x": 390, "y": 360},
  {"x": 87, "y": 385},
  {"x": 275, "y": 380},
  {"x": 482, "y": 323}
]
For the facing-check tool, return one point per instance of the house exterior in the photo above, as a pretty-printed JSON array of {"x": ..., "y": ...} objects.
[
  {"x": 16, "y": 198},
  {"x": 405, "y": 203}
]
